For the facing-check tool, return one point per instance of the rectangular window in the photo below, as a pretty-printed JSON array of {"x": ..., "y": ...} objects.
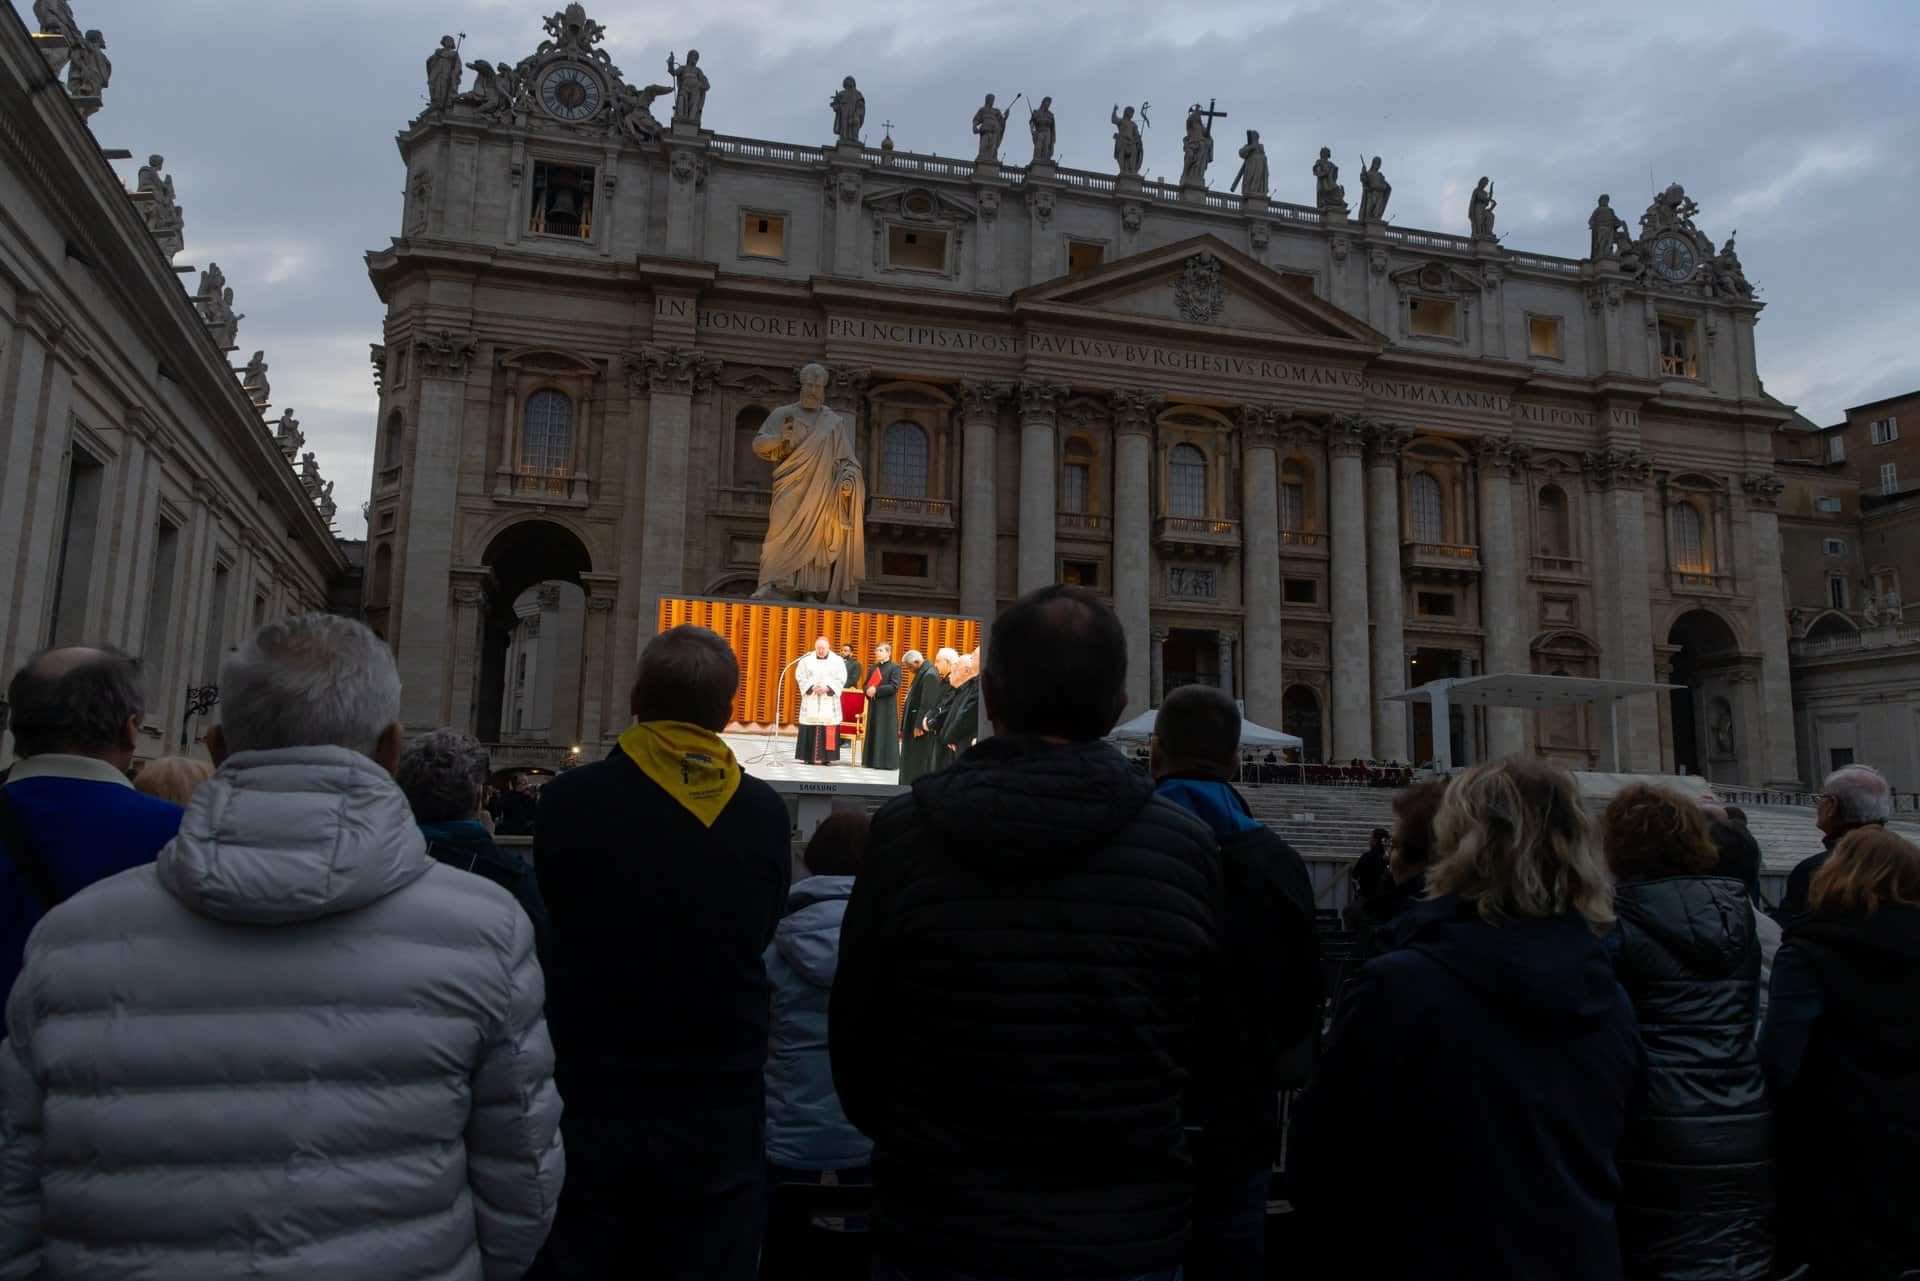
[
  {"x": 160, "y": 589},
  {"x": 1434, "y": 604},
  {"x": 79, "y": 529},
  {"x": 1885, "y": 430},
  {"x": 1300, "y": 591},
  {"x": 903, "y": 564},
  {"x": 562, "y": 201},
  {"x": 1080, "y": 573},
  {"x": 1433, "y": 318},
  {"x": 1083, "y": 255},
  {"x": 1293, "y": 505},
  {"x": 1836, "y": 591},
  {"x": 1836, "y": 546},
  {"x": 917, "y": 249},
  {"x": 1828, "y": 504},
  {"x": 387, "y": 519},
  {"x": 1836, "y": 448},
  {"x": 1677, "y": 357},
  {"x": 1543, "y": 336},
  {"x": 1889, "y": 478},
  {"x": 762, "y": 235},
  {"x": 211, "y": 651},
  {"x": 1073, "y": 488}
]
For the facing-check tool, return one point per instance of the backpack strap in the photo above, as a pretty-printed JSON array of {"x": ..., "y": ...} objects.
[{"x": 27, "y": 863}]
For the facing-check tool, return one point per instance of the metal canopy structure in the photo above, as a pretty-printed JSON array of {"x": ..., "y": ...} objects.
[
  {"x": 1251, "y": 735},
  {"x": 1525, "y": 690}
]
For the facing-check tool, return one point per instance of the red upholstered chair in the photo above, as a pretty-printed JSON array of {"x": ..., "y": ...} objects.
[{"x": 853, "y": 720}]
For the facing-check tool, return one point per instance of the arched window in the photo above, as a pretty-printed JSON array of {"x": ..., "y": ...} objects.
[
  {"x": 1076, "y": 478},
  {"x": 1187, "y": 482},
  {"x": 903, "y": 461},
  {"x": 396, "y": 432},
  {"x": 380, "y": 577},
  {"x": 1427, "y": 517},
  {"x": 1689, "y": 546},
  {"x": 1556, "y": 530},
  {"x": 546, "y": 438}
]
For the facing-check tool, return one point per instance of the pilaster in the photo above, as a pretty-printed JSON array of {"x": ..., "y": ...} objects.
[
  {"x": 420, "y": 637},
  {"x": 599, "y": 689},
  {"x": 1782, "y": 759},
  {"x": 1347, "y": 529},
  {"x": 1039, "y": 405},
  {"x": 1619, "y": 476},
  {"x": 1386, "y": 591},
  {"x": 1501, "y": 617},
  {"x": 980, "y": 404},
  {"x": 470, "y": 586},
  {"x": 1260, "y": 563},
  {"x": 1133, "y": 412},
  {"x": 670, "y": 377}
]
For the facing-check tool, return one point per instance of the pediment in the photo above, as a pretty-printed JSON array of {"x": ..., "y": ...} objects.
[
  {"x": 1202, "y": 281},
  {"x": 920, "y": 204},
  {"x": 1437, "y": 277}
]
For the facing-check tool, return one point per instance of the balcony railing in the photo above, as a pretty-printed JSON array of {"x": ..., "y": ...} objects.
[
  {"x": 1853, "y": 642},
  {"x": 1679, "y": 367},
  {"x": 742, "y": 500},
  {"x": 1197, "y": 536},
  {"x": 1696, "y": 581},
  {"x": 1560, "y": 566},
  {"x": 1301, "y": 538},
  {"x": 911, "y": 516},
  {"x": 557, "y": 481},
  {"x": 1441, "y": 560},
  {"x": 1083, "y": 523}
]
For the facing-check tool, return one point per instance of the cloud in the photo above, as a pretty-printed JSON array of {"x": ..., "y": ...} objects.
[{"x": 1814, "y": 163}]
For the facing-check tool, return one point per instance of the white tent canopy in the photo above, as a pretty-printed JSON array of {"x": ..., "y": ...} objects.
[
  {"x": 1141, "y": 727},
  {"x": 1526, "y": 690}
]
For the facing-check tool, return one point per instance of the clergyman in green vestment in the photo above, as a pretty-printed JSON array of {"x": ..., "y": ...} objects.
[{"x": 882, "y": 747}]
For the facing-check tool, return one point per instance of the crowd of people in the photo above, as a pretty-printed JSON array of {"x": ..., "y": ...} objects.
[{"x": 304, "y": 1017}]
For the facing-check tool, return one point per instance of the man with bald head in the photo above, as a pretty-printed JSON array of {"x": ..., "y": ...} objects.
[
  {"x": 68, "y": 814},
  {"x": 821, "y": 675}
]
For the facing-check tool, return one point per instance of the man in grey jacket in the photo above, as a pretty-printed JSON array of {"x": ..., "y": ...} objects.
[{"x": 294, "y": 1045}]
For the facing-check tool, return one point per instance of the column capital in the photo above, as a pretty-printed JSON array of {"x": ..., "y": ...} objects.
[
  {"x": 1159, "y": 635},
  {"x": 1504, "y": 455},
  {"x": 671, "y": 369},
  {"x": 1612, "y": 468},
  {"x": 1134, "y": 410},
  {"x": 846, "y": 384},
  {"x": 1262, "y": 425},
  {"x": 1225, "y": 636},
  {"x": 446, "y": 354},
  {"x": 469, "y": 596},
  {"x": 981, "y": 400},
  {"x": 1040, "y": 401},
  {"x": 1385, "y": 441},
  {"x": 1763, "y": 490},
  {"x": 1298, "y": 433},
  {"x": 1347, "y": 435}
]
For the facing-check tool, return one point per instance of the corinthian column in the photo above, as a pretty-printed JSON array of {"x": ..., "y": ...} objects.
[
  {"x": 1260, "y": 564},
  {"x": 670, "y": 378},
  {"x": 1782, "y": 760},
  {"x": 1386, "y": 593},
  {"x": 1347, "y": 499},
  {"x": 1133, "y": 415},
  {"x": 1039, "y": 404},
  {"x": 979, "y": 514},
  {"x": 1619, "y": 477},
  {"x": 1501, "y": 617}
]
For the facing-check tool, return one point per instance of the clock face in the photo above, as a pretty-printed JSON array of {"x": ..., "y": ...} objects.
[
  {"x": 570, "y": 93},
  {"x": 1673, "y": 258}
]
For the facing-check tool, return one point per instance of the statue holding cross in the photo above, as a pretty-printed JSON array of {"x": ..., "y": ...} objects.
[{"x": 1197, "y": 151}]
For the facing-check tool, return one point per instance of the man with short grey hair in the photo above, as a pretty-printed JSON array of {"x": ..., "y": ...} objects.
[
  {"x": 444, "y": 775},
  {"x": 68, "y": 814},
  {"x": 295, "y": 1037},
  {"x": 1854, "y": 796}
]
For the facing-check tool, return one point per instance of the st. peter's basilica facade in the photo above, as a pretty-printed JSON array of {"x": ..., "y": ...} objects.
[{"x": 1309, "y": 455}]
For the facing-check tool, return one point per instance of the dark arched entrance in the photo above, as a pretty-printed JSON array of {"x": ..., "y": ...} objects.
[
  {"x": 1705, "y": 643},
  {"x": 521, "y": 556},
  {"x": 1300, "y": 716}
]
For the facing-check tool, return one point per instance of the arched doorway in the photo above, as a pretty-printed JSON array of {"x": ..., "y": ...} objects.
[
  {"x": 1300, "y": 716},
  {"x": 1706, "y": 650},
  {"x": 535, "y": 592}
]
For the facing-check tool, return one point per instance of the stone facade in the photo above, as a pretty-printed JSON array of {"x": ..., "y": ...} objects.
[
  {"x": 1308, "y": 458},
  {"x": 144, "y": 502}
]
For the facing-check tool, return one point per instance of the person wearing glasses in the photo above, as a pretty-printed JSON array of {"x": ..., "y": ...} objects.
[{"x": 1853, "y": 797}]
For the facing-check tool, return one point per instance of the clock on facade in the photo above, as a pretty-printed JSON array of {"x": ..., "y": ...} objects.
[
  {"x": 570, "y": 93},
  {"x": 1673, "y": 258}
]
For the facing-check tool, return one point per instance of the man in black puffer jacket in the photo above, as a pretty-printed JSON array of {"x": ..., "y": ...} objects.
[{"x": 1029, "y": 984}]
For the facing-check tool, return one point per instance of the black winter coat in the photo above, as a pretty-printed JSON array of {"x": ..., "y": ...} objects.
[
  {"x": 1849, "y": 1118},
  {"x": 1027, "y": 985},
  {"x": 1696, "y": 1165},
  {"x": 1464, "y": 1117}
]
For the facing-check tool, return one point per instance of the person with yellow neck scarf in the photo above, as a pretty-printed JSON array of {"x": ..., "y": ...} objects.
[{"x": 665, "y": 870}]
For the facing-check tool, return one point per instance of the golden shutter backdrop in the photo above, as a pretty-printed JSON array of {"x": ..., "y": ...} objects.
[{"x": 766, "y": 637}]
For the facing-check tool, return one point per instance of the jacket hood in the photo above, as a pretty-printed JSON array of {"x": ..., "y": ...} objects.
[
  {"x": 292, "y": 835},
  {"x": 1018, "y": 805},
  {"x": 1214, "y": 803},
  {"x": 1552, "y": 972},
  {"x": 1706, "y": 922},
  {"x": 808, "y": 936}
]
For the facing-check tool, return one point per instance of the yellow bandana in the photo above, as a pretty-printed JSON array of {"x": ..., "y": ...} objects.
[{"x": 692, "y": 765}]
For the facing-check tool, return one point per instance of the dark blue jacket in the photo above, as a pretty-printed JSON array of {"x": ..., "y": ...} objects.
[
  {"x": 1464, "y": 1117},
  {"x": 85, "y": 831},
  {"x": 466, "y": 844}
]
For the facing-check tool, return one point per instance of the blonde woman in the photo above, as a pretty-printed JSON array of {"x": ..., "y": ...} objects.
[
  {"x": 173, "y": 778},
  {"x": 1485, "y": 1061}
]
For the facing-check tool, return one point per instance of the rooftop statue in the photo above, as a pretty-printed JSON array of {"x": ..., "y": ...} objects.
[
  {"x": 633, "y": 111},
  {"x": 1375, "y": 190},
  {"x": 990, "y": 122},
  {"x": 443, "y": 74},
  {"x": 1480, "y": 207},
  {"x": 55, "y": 18},
  {"x": 1040, "y": 126},
  {"x": 690, "y": 89},
  {"x": 88, "y": 70},
  {"x": 1605, "y": 230},
  {"x": 1327, "y": 191},
  {"x": 1129, "y": 151},
  {"x": 254, "y": 382},
  {"x": 162, "y": 213},
  {"x": 1252, "y": 178},
  {"x": 849, "y": 111}
]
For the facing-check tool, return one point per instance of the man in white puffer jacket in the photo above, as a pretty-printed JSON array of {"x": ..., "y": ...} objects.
[{"x": 295, "y": 1045}]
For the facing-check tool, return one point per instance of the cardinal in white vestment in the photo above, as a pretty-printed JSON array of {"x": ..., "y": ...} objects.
[{"x": 821, "y": 676}]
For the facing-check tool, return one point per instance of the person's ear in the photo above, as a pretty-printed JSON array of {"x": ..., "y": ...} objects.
[
  {"x": 216, "y": 741},
  {"x": 130, "y": 735},
  {"x": 386, "y": 752}
]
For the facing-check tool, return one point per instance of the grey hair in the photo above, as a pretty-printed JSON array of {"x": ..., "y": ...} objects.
[
  {"x": 913, "y": 658},
  {"x": 314, "y": 681},
  {"x": 1860, "y": 794},
  {"x": 948, "y": 653},
  {"x": 442, "y": 773}
]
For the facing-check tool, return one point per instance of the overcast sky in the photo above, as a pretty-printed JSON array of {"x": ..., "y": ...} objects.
[{"x": 1792, "y": 122}]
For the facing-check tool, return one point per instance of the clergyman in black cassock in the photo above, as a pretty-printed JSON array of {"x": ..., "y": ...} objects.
[
  {"x": 924, "y": 698},
  {"x": 881, "y": 750},
  {"x": 959, "y": 721}
]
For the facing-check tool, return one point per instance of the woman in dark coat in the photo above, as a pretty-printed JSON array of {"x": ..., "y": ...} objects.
[
  {"x": 1842, "y": 1052},
  {"x": 1462, "y": 1122},
  {"x": 1696, "y": 1165},
  {"x": 881, "y": 750}
]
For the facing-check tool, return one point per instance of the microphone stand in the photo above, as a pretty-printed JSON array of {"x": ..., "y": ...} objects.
[{"x": 779, "y": 698}]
